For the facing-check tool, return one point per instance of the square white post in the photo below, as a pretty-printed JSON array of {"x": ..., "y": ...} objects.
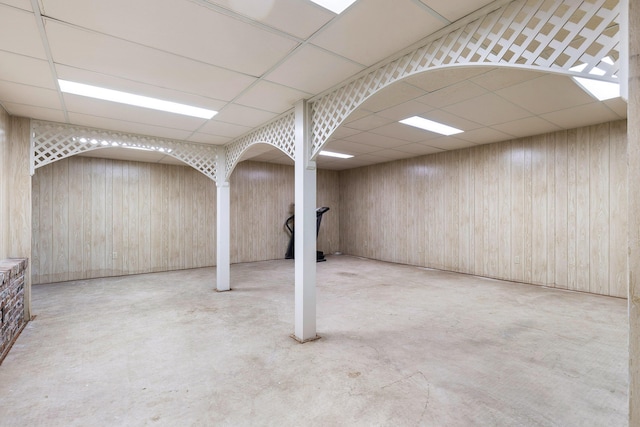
[
  {"x": 223, "y": 227},
  {"x": 305, "y": 228}
]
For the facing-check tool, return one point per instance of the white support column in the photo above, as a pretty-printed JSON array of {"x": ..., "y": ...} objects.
[
  {"x": 223, "y": 227},
  {"x": 305, "y": 228}
]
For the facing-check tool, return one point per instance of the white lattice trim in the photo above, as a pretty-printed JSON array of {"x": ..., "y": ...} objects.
[
  {"x": 280, "y": 133},
  {"x": 56, "y": 141},
  {"x": 567, "y": 36}
]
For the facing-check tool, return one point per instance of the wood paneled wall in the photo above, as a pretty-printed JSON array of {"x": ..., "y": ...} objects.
[
  {"x": 262, "y": 197},
  {"x": 96, "y": 218},
  {"x": 99, "y": 218},
  {"x": 548, "y": 210},
  {"x": 4, "y": 184}
]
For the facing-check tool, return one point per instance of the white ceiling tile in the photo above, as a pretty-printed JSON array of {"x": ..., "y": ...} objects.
[
  {"x": 503, "y": 77},
  {"x": 374, "y": 139},
  {"x": 185, "y": 28},
  {"x": 128, "y": 113},
  {"x": 449, "y": 119},
  {"x": 40, "y": 113},
  {"x": 370, "y": 31},
  {"x": 391, "y": 96},
  {"x": 343, "y": 132},
  {"x": 215, "y": 127},
  {"x": 418, "y": 149},
  {"x": 369, "y": 122},
  {"x": 583, "y": 115},
  {"x": 355, "y": 115},
  {"x": 81, "y": 119},
  {"x": 29, "y": 95},
  {"x": 452, "y": 94},
  {"x": 483, "y": 136},
  {"x": 546, "y": 94},
  {"x": 107, "y": 55},
  {"x": 313, "y": 70},
  {"x": 404, "y": 110},
  {"x": 433, "y": 80},
  {"x": 393, "y": 154},
  {"x": 19, "y": 32},
  {"x": 449, "y": 143},
  {"x": 271, "y": 97},
  {"x": 618, "y": 106},
  {"x": 488, "y": 109},
  {"x": 21, "y": 4},
  {"x": 404, "y": 132},
  {"x": 108, "y": 81},
  {"x": 203, "y": 138},
  {"x": 527, "y": 127},
  {"x": 349, "y": 147},
  {"x": 454, "y": 10},
  {"x": 26, "y": 70},
  {"x": 241, "y": 115},
  {"x": 298, "y": 18}
]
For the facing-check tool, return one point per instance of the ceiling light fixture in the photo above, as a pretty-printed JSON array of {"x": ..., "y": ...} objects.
[
  {"x": 135, "y": 100},
  {"x": 335, "y": 6},
  {"x": 332, "y": 154},
  {"x": 431, "y": 126}
]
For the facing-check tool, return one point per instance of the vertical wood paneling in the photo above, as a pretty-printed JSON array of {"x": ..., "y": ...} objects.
[
  {"x": 549, "y": 209},
  {"x": 76, "y": 219},
  {"x": 144, "y": 213},
  {"x": 60, "y": 212}
]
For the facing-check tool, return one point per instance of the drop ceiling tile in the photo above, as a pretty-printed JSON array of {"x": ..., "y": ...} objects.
[
  {"x": 618, "y": 106},
  {"x": 313, "y": 70},
  {"x": 298, "y": 18},
  {"x": 102, "y": 54},
  {"x": 453, "y": 94},
  {"x": 81, "y": 119},
  {"x": 433, "y": 80},
  {"x": 244, "y": 116},
  {"x": 22, "y": 110},
  {"x": 418, "y": 149},
  {"x": 30, "y": 95},
  {"x": 483, "y": 136},
  {"x": 343, "y": 132},
  {"x": 583, "y": 115},
  {"x": 391, "y": 96},
  {"x": 449, "y": 119},
  {"x": 404, "y": 110},
  {"x": 503, "y": 77},
  {"x": 184, "y": 28},
  {"x": 218, "y": 128},
  {"x": 454, "y": 10},
  {"x": 113, "y": 110},
  {"x": 527, "y": 127},
  {"x": 26, "y": 70},
  {"x": 488, "y": 109},
  {"x": 272, "y": 97},
  {"x": 449, "y": 143},
  {"x": 376, "y": 140},
  {"x": 349, "y": 147},
  {"x": 359, "y": 33},
  {"x": 20, "y": 4},
  {"x": 356, "y": 115},
  {"x": 393, "y": 154},
  {"x": 108, "y": 81},
  {"x": 546, "y": 94},
  {"x": 371, "y": 159},
  {"x": 369, "y": 122},
  {"x": 19, "y": 32},
  {"x": 203, "y": 138}
]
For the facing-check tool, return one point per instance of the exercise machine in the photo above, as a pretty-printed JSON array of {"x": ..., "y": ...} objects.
[{"x": 289, "y": 223}]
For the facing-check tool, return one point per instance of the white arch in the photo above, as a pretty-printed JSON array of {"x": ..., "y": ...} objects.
[
  {"x": 551, "y": 36},
  {"x": 55, "y": 141}
]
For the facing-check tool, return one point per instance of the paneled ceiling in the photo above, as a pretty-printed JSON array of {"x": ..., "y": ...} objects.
[{"x": 253, "y": 59}]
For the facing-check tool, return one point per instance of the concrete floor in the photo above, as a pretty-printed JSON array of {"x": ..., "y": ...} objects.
[{"x": 400, "y": 346}]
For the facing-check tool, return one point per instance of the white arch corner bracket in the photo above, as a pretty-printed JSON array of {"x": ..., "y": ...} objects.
[
  {"x": 280, "y": 133},
  {"x": 55, "y": 141},
  {"x": 568, "y": 36}
]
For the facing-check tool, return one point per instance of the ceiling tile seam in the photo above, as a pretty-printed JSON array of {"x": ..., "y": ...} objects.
[
  {"x": 432, "y": 12},
  {"x": 45, "y": 43}
]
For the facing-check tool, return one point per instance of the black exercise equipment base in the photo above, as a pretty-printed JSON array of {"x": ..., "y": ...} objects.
[{"x": 291, "y": 247}]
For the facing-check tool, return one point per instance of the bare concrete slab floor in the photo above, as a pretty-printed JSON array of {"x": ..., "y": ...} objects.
[{"x": 400, "y": 346}]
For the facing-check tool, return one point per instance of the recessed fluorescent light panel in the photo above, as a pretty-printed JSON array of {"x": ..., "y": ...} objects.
[
  {"x": 332, "y": 154},
  {"x": 335, "y": 6},
  {"x": 430, "y": 125},
  {"x": 135, "y": 100},
  {"x": 599, "y": 89}
]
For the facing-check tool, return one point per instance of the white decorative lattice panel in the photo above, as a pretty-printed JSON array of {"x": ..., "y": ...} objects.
[
  {"x": 280, "y": 133},
  {"x": 56, "y": 141},
  {"x": 569, "y": 36}
]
